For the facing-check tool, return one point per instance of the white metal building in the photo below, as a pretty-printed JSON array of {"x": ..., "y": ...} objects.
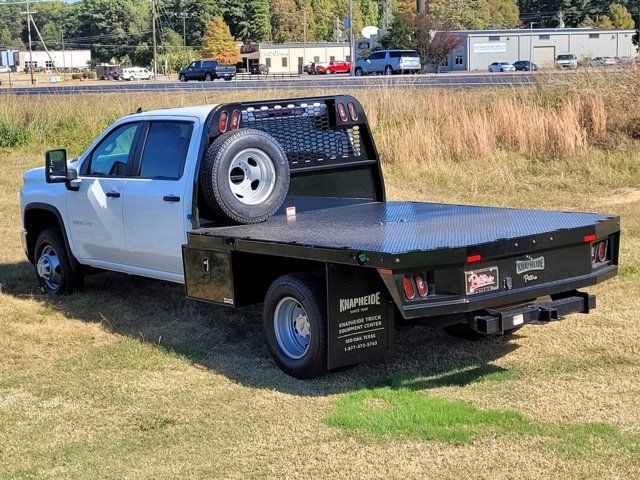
[
  {"x": 291, "y": 57},
  {"x": 77, "y": 59},
  {"x": 479, "y": 48}
]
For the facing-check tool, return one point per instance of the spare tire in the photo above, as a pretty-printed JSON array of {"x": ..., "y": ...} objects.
[{"x": 245, "y": 176}]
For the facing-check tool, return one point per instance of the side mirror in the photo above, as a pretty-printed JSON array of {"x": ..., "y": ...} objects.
[{"x": 55, "y": 166}]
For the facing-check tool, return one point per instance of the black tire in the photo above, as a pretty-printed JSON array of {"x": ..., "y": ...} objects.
[
  {"x": 216, "y": 170},
  {"x": 207, "y": 77},
  {"x": 309, "y": 292},
  {"x": 69, "y": 282},
  {"x": 358, "y": 72},
  {"x": 182, "y": 78},
  {"x": 464, "y": 331}
]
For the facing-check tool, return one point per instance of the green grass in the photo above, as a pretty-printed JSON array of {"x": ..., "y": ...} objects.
[{"x": 380, "y": 413}]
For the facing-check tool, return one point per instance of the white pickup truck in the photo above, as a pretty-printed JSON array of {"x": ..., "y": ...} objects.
[{"x": 282, "y": 202}]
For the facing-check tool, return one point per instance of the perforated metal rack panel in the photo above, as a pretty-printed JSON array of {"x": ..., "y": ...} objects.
[{"x": 305, "y": 131}]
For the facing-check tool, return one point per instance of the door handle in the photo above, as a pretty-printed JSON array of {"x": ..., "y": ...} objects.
[
  {"x": 113, "y": 194},
  {"x": 171, "y": 198}
]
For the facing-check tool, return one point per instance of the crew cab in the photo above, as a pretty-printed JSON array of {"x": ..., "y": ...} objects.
[
  {"x": 282, "y": 202},
  {"x": 206, "y": 70}
]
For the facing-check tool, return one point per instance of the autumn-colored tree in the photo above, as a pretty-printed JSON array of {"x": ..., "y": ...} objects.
[
  {"x": 218, "y": 43},
  {"x": 620, "y": 17}
]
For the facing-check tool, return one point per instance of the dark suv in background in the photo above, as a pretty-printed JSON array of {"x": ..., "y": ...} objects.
[{"x": 206, "y": 70}]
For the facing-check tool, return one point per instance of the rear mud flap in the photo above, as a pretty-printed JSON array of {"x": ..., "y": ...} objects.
[
  {"x": 493, "y": 321},
  {"x": 360, "y": 316}
]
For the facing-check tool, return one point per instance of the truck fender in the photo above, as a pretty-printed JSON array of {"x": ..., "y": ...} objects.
[{"x": 32, "y": 237}]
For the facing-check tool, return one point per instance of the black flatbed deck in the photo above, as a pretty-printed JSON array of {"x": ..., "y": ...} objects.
[{"x": 392, "y": 234}]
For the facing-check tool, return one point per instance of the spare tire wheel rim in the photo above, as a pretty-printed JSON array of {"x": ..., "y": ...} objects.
[
  {"x": 292, "y": 328},
  {"x": 252, "y": 176}
]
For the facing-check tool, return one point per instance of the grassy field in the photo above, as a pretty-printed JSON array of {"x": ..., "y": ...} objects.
[{"x": 130, "y": 380}]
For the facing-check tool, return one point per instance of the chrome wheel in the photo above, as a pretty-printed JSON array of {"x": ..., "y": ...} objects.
[
  {"x": 48, "y": 268},
  {"x": 292, "y": 328},
  {"x": 252, "y": 176}
]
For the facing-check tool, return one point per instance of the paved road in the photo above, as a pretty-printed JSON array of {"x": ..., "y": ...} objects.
[{"x": 305, "y": 82}]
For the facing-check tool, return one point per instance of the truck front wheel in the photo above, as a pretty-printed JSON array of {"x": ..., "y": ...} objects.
[
  {"x": 294, "y": 321},
  {"x": 53, "y": 266}
]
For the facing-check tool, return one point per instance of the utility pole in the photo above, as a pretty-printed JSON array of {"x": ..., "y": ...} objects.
[
  {"x": 64, "y": 60},
  {"x": 28, "y": 14},
  {"x": 304, "y": 27},
  {"x": 531, "y": 45},
  {"x": 351, "y": 49},
  {"x": 155, "y": 52}
]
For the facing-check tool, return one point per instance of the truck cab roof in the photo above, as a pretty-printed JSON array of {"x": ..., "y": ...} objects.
[{"x": 199, "y": 111}]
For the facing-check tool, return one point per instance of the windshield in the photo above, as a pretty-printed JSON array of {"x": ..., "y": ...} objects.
[{"x": 565, "y": 57}]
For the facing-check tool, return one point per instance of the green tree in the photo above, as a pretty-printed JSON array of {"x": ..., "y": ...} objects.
[
  {"x": 286, "y": 21},
  {"x": 113, "y": 28},
  {"x": 604, "y": 22},
  {"x": 620, "y": 17},
  {"x": 219, "y": 44},
  {"x": 502, "y": 14}
]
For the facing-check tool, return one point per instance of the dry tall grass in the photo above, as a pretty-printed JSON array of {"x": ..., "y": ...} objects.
[{"x": 547, "y": 122}]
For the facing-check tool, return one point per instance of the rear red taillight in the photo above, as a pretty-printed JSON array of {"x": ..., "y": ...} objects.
[
  {"x": 352, "y": 111},
  {"x": 342, "y": 112},
  {"x": 235, "y": 120},
  {"x": 407, "y": 285},
  {"x": 222, "y": 123},
  {"x": 423, "y": 288},
  {"x": 599, "y": 251},
  {"x": 602, "y": 251}
]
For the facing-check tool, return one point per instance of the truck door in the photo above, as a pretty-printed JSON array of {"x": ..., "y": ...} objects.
[
  {"x": 155, "y": 206},
  {"x": 95, "y": 210}
]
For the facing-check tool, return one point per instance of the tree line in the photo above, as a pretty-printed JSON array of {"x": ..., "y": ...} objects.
[{"x": 121, "y": 29}]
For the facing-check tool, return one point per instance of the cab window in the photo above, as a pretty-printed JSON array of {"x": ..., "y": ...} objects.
[
  {"x": 111, "y": 157},
  {"x": 165, "y": 149}
]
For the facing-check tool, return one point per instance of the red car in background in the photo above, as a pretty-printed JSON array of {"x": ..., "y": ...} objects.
[{"x": 336, "y": 66}]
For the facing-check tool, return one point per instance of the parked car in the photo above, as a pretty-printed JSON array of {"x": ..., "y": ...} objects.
[
  {"x": 501, "y": 67},
  {"x": 259, "y": 69},
  {"x": 206, "y": 70},
  {"x": 309, "y": 68},
  {"x": 389, "y": 62},
  {"x": 135, "y": 73},
  {"x": 335, "y": 66},
  {"x": 567, "y": 61},
  {"x": 602, "y": 62},
  {"x": 525, "y": 66}
]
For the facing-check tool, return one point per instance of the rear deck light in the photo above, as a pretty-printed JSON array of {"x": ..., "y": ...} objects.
[
  {"x": 352, "y": 111},
  {"x": 423, "y": 288},
  {"x": 474, "y": 258},
  {"x": 589, "y": 238},
  {"x": 342, "y": 112},
  {"x": 235, "y": 119},
  {"x": 222, "y": 123},
  {"x": 407, "y": 285},
  {"x": 602, "y": 250}
]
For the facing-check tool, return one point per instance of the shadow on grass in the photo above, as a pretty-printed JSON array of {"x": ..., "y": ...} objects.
[{"x": 230, "y": 342}]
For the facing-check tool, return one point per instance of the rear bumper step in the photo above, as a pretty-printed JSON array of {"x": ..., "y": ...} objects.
[{"x": 502, "y": 321}]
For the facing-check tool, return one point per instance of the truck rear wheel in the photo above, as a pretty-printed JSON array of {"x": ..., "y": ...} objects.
[
  {"x": 53, "y": 266},
  {"x": 245, "y": 176},
  {"x": 294, "y": 321}
]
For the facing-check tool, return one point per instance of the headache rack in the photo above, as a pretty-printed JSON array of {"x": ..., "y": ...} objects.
[{"x": 320, "y": 132}]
